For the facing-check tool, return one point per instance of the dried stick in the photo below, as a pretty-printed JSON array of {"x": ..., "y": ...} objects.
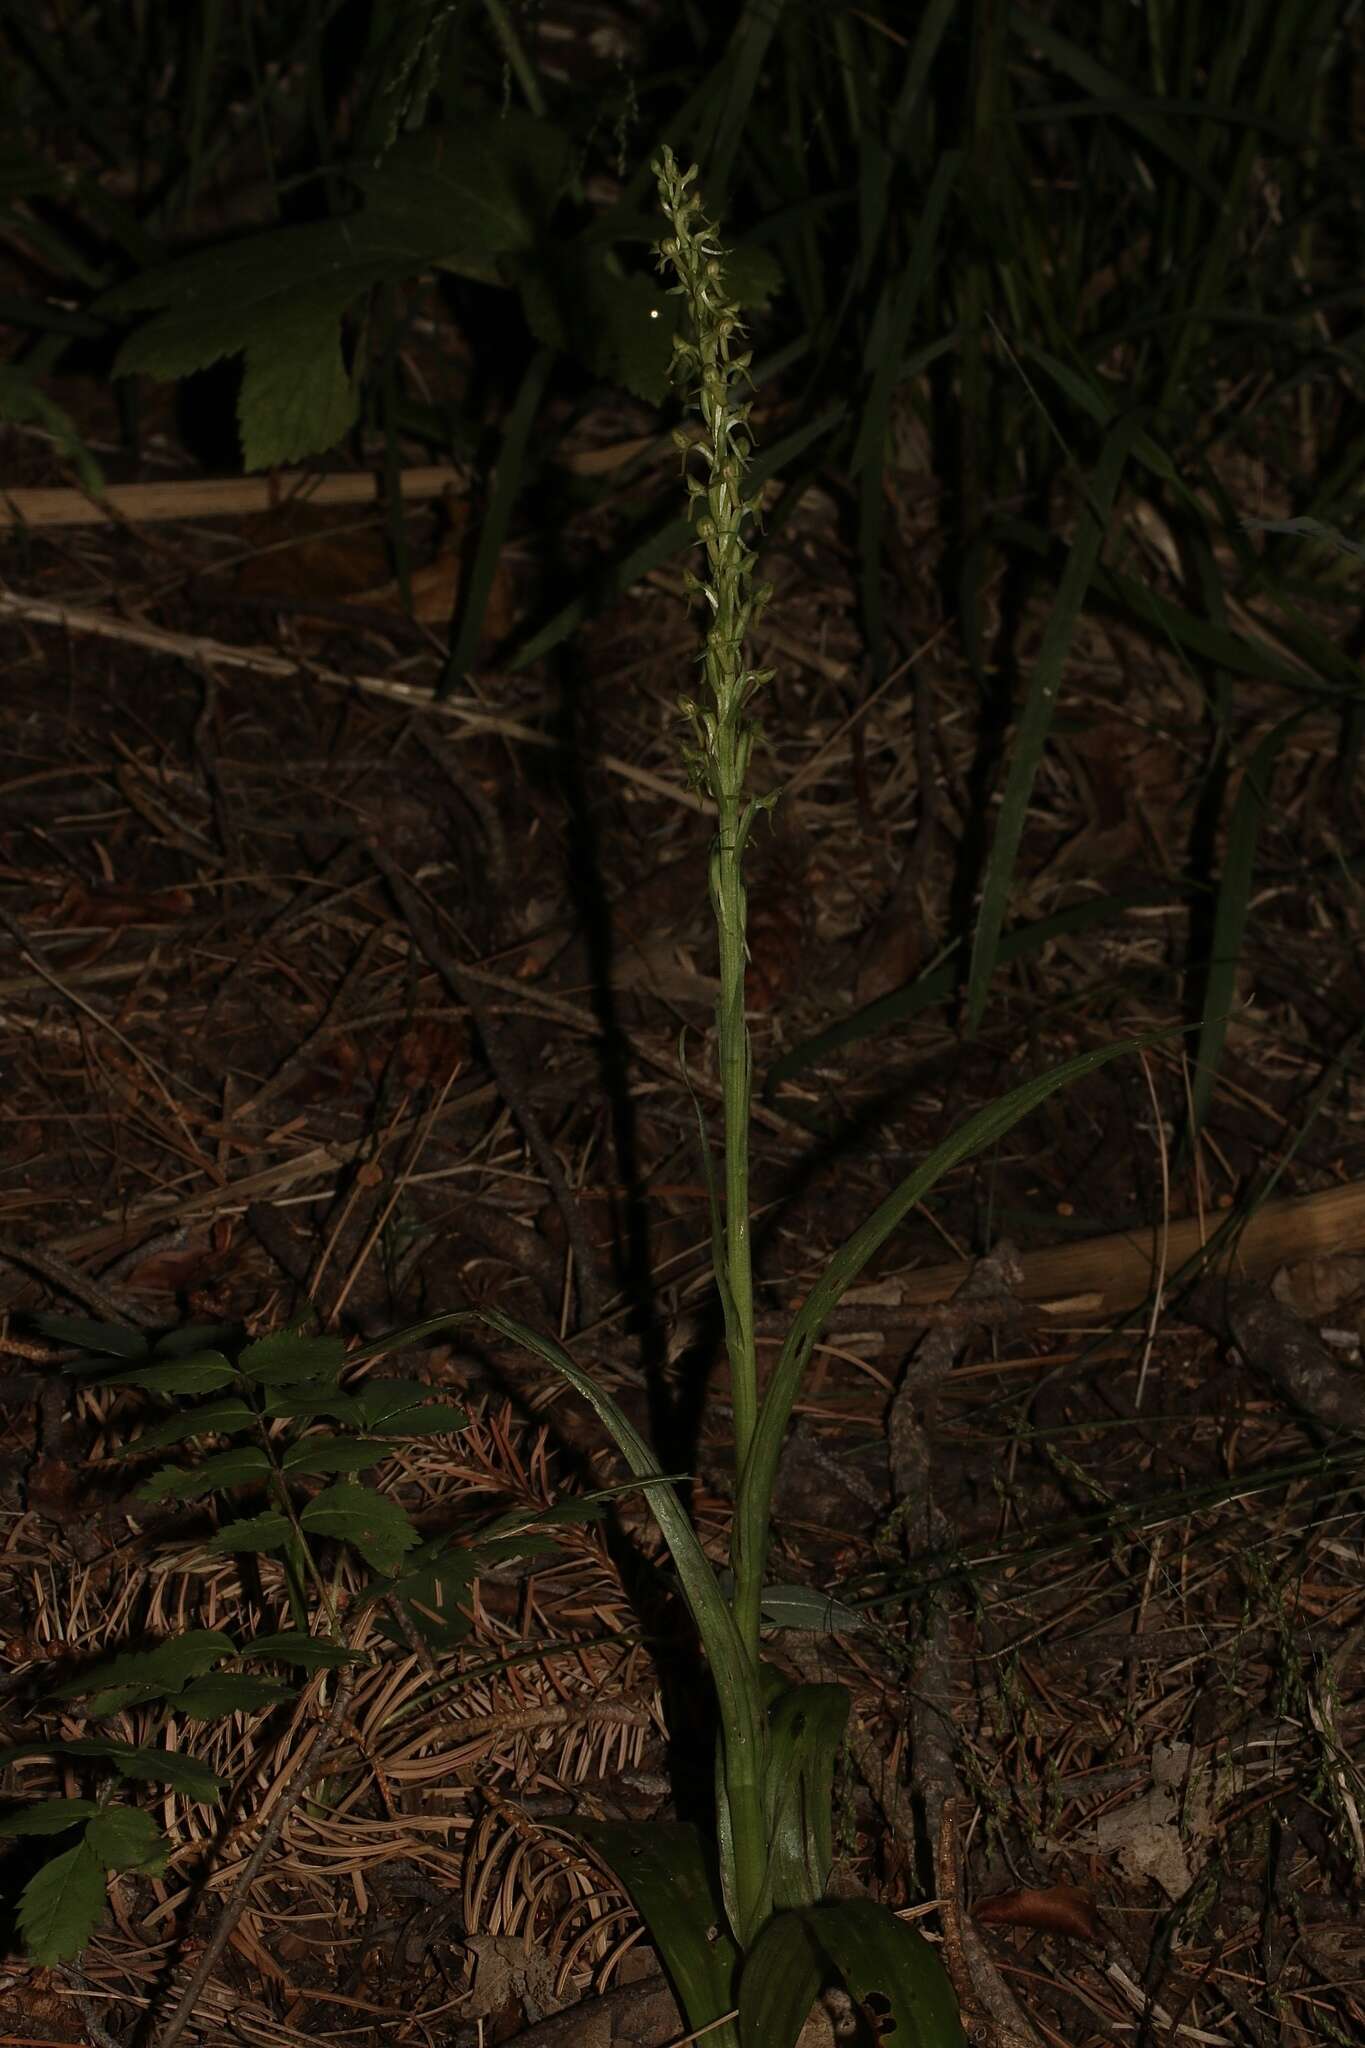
[
  {"x": 325, "y": 1738},
  {"x": 976, "y": 1979}
]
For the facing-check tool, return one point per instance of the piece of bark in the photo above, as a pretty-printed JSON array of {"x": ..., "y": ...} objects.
[{"x": 1278, "y": 1344}]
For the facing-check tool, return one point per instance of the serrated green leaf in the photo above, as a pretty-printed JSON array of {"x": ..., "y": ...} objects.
[
  {"x": 287, "y": 1406},
  {"x": 335, "y": 1454},
  {"x": 308, "y": 1653},
  {"x": 256, "y": 1532},
  {"x": 158, "y": 1766},
  {"x": 620, "y": 328},
  {"x": 374, "y": 1525},
  {"x": 459, "y": 198},
  {"x": 48, "y": 1817},
  {"x": 436, "y": 1418},
  {"x": 296, "y": 398},
  {"x": 288, "y": 1358},
  {"x": 60, "y": 1907},
  {"x": 184, "y": 1774},
  {"x": 229, "y": 1468},
  {"x": 442, "y": 1629},
  {"x": 471, "y": 192},
  {"x": 885, "y": 1966},
  {"x": 407, "y": 1408},
  {"x": 165, "y": 1669},
  {"x": 229, "y": 1692},
  {"x": 126, "y": 1838},
  {"x": 193, "y": 1337},
  {"x": 198, "y": 1375},
  {"x": 231, "y": 296},
  {"x": 434, "y": 1579},
  {"x": 114, "y": 1338},
  {"x": 208, "y": 1418},
  {"x": 753, "y": 275}
]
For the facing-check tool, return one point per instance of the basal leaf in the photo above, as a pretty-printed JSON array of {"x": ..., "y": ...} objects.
[
  {"x": 804, "y": 1608},
  {"x": 376, "y": 1526},
  {"x": 887, "y": 1968},
  {"x": 126, "y": 1838},
  {"x": 805, "y": 1731},
  {"x": 48, "y": 1817},
  {"x": 670, "y": 1872},
  {"x": 59, "y": 1908},
  {"x": 974, "y": 1135},
  {"x": 1235, "y": 887}
]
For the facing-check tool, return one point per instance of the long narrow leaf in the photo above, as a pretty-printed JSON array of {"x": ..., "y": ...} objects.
[
  {"x": 936, "y": 986},
  {"x": 745, "y": 1880},
  {"x": 985, "y": 1128},
  {"x": 1039, "y": 711},
  {"x": 709, "y": 1608},
  {"x": 497, "y": 517},
  {"x": 1230, "y": 915}
]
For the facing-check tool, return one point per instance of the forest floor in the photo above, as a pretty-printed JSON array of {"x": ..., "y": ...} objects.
[{"x": 247, "y": 1070}]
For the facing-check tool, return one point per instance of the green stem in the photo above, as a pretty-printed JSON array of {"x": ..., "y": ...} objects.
[{"x": 728, "y": 902}]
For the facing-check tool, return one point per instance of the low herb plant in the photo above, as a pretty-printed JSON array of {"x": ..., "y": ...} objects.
[
  {"x": 741, "y": 1917},
  {"x": 283, "y": 1422}
]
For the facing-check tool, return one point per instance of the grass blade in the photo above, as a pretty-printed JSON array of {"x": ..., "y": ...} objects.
[
  {"x": 759, "y": 1475},
  {"x": 1039, "y": 711},
  {"x": 497, "y": 519},
  {"x": 1230, "y": 915}
]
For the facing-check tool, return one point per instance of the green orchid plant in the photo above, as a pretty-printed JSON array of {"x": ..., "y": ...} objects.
[{"x": 742, "y": 1920}]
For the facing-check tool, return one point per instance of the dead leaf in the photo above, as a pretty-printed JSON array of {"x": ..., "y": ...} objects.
[
  {"x": 1059, "y": 1909},
  {"x": 109, "y": 905}
]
